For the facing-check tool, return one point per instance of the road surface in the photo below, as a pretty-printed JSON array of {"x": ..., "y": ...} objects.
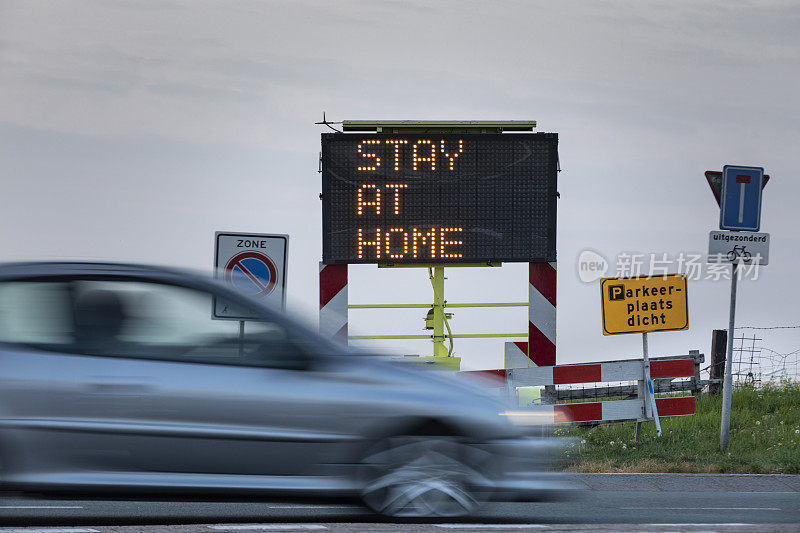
[{"x": 608, "y": 502}]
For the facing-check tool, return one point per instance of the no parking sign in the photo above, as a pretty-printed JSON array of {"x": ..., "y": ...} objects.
[{"x": 253, "y": 264}]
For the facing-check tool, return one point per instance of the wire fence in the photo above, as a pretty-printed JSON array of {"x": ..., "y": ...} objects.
[{"x": 755, "y": 364}]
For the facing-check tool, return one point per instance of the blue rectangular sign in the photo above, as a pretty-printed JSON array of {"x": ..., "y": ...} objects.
[{"x": 740, "y": 202}]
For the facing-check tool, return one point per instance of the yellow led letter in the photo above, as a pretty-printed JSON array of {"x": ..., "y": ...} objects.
[
  {"x": 443, "y": 242},
  {"x": 376, "y": 243},
  {"x": 388, "y": 243},
  {"x": 397, "y": 187},
  {"x": 415, "y": 157},
  {"x": 366, "y": 154},
  {"x": 362, "y": 203},
  {"x": 396, "y": 144},
  {"x": 427, "y": 238},
  {"x": 453, "y": 157}
]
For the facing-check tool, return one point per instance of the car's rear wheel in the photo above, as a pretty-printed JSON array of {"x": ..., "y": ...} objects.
[{"x": 412, "y": 476}]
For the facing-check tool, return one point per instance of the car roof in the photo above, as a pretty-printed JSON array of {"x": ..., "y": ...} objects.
[{"x": 29, "y": 269}]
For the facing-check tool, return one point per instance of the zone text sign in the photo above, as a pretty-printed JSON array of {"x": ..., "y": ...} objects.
[
  {"x": 438, "y": 197},
  {"x": 253, "y": 264},
  {"x": 644, "y": 304}
]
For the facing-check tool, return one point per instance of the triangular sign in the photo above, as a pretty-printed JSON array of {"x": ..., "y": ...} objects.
[{"x": 714, "y": 179}]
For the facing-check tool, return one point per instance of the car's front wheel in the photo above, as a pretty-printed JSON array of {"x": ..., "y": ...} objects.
[{"x": 412, "y": 476}]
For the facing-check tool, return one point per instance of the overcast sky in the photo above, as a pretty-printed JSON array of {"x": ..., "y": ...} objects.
[{"x": 133, "y": 130}]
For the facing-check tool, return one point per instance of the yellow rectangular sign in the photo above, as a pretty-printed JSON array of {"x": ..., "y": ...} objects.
[{"x": 647, "y": 303}]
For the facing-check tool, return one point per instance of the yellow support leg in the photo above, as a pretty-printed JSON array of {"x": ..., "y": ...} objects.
[{"x": 439, "y": 349}]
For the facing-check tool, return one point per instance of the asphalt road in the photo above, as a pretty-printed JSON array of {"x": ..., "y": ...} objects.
[{"x": 618, "y": 502}]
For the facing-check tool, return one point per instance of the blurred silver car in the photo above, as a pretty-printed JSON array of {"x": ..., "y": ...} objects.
[{"x": 116, "y": 378}]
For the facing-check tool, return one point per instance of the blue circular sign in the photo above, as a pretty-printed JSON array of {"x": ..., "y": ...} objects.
[{"x": 253, "y": 273}]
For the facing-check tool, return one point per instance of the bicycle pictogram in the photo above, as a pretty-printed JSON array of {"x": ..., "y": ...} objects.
[{"x": 739, "y": 251}]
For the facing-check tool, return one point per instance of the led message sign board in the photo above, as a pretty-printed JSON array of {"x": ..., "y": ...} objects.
[{"x": 439, "y": 197}]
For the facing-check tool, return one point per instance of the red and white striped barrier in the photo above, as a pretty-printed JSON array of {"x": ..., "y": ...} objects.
[
  {"x": 516, "y": 355},
  {"x": 333, "y": 301},
  {"x": 618, "y": 410},
  {"x": 599, "y": 372},
  {"x": 542, "y": 313},
  {"x": 628, "y": 370}
]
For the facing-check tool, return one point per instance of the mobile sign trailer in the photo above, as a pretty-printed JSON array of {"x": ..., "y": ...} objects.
[
  {"x": 645, "y": 304},
  {"x": 433, "y": 194}
]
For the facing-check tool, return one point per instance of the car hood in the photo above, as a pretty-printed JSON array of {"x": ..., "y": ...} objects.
[{"x": 419, "y": 376}]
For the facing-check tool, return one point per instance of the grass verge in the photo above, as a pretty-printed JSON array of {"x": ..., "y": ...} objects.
[{"x": 764, "y": 438}]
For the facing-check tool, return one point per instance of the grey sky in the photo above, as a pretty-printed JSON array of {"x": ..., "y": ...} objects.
[{"x": 134, "y": 130}]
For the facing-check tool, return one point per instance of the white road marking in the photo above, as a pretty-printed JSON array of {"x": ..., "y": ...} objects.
[
  {"x": 343, "y": 507},
  {"x": 704, "y": 508},
  {"x": 40, "y": 507},
  {"x": 491, "y": 526},
  {"x": 767, "y": 491},
  {"x": 51, "y": 530},
  {"x": 268, "y": 527},
  {"x": 729, "y": 524}
]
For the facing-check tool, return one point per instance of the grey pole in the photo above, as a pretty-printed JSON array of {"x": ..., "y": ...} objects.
[
  {"x": 651, "y": 397},
  {"x": 727, "y": 386}
]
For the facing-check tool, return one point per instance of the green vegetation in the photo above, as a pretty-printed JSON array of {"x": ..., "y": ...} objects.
[{"x": 765, "y": 438}]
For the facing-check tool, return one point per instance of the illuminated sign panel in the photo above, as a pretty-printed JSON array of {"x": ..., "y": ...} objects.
[{"x": 423, "y": 198}]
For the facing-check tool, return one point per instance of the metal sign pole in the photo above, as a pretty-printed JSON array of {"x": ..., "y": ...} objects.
[
  {"x": 727, "y": 386},
  {"x": 650, "y": 393}
]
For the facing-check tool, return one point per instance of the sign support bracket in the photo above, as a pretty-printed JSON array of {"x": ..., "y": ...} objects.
[
  {"x": 437, "y": 281},
  {"x": 650, "y": 394}
]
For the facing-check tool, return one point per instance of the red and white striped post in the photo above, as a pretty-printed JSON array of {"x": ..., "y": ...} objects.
[
  {"x": 542, "y": 313},
  {"x": 333, "y": 301}
]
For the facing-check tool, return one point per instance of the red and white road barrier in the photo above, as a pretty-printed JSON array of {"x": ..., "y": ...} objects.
[
  {"x": 618, "y": 410},
  {"x": 516, "y": 355},
  {"x": 599, "y": 372},
  {"x": 628, "y": 370},
  {"x": 333, "y": 301},
  {"x": 542, "y": 313}
]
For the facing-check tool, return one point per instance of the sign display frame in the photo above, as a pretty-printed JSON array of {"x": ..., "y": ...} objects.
[{"x": 421, "y": 198}]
